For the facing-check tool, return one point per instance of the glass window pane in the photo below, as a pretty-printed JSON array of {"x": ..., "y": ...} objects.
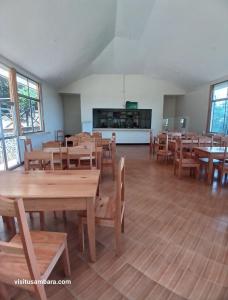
[
  {"x": 8, "y": 120},
  {"x": 33, "y": 89},
  {"x": 4, "y": 84},
  {"x": 22, "y": 85},
  {"x": 12, "y": 152},
  {"x": 25, "y": 114},
  {"x": 220, "y": 91},
  {"x": 218, "y": 116},
  {"x": 2, "y": 162},
  {"x": 35, "y": 107}
]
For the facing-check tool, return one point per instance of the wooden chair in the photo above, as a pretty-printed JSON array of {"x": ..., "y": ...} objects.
[
  {"x": 79, "y": 154},
  {"x": 60, "y": 136},
  {"x": 217, "y": 140},
  {"x": 110, "y": 212},
  {"x": 163, "y": 147},
  {"x": 43, "y": 161},
  {"x": 184, "y": 163},
  {"x": 72, "y": 141},
  {"x": 28, "y": 145},
  {"x": 29, "y": 255},
  {"x": 222, "y": 167},
  {"x": 110, "y": 161},
  {"x": 206, "y": 141},
  {"x": 55, "y": 148}
]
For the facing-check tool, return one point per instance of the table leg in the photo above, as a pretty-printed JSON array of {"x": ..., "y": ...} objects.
[
  {"x": 210, "y": 170},
  {"x": 91, "y": 228}
]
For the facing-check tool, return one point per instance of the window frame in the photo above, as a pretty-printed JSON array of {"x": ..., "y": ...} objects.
[
  {"x": 39, "y": 100},
  {"x": 210, "y": 106}
]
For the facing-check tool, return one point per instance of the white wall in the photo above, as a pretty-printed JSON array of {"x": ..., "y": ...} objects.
[
  {"x": 194, "y": 106},
  {"x": 52, "y": 109},
  {"x": 106, "y": 91}
]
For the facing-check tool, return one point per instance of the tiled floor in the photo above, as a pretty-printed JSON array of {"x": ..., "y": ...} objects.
[{"x": 175, "y": 244}]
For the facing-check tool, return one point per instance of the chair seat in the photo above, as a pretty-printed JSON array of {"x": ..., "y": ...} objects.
[
  {"x": 205, "y": 160},
  {"x": 225, "y": 167},
  {"x": 188, "y": 161},
  {"x": 164, "y": 152},
  {"x": 46, "y": 246}
]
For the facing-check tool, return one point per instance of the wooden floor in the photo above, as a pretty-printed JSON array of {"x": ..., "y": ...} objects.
[{"x": 175, "y": 246}]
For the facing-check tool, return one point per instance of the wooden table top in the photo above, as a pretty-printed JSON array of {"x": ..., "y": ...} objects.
[
  {"x": 213, "y": 150},
  {"x": 48, "y": 184}
]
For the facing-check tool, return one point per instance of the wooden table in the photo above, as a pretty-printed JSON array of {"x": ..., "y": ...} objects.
[
  {"x": 210, "y": 153},
  {"x": 58, "y": 190}
]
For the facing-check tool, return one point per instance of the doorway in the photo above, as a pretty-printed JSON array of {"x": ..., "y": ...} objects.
[{"x": 72, "y": 113}]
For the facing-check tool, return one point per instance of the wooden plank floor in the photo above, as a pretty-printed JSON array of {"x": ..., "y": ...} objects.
[{"x": 175, "y": 245}]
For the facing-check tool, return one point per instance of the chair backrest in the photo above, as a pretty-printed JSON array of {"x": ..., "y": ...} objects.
[
  {"x": 217, "y": 140},
  {"x": 97, "y": 134},
  {"x": 205, "y": 141},
  {"x": 88, "y": 144},
  {"x": 60, "y": 135},
  {"x": 225, "y": 157},
  {"x": 43, "y": 159},
  {"x": 57, "y": 155},
  {"x": 28, "y": 145},
  {"x": 83, "y": 139},
  {"x": 72, "y": 140},
  {"x": 51, "y": 144},
  {"x": 163, "y": 141},
  {"x": 120, "y": 190},
  {"x": 83, "y": 134},
  {"x": 179, "y": 150},
  {"x": 190, "y": 135},
  {"x": 15, "y": 208},
  {"x": 80, "y": 152}
]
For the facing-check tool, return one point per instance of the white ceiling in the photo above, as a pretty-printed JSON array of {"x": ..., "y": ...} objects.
[{"x": 60, "y": 41}]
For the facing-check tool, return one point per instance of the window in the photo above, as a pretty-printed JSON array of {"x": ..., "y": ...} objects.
[
  {"x": 29, "y": 105},
  {"x": 219, "y": 108},
  {"x": 9, "y": 150}
]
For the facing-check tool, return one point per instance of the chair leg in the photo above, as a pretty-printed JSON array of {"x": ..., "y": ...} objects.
[
  {"x": 122, "y": 225},
  {"x": 118, "y": 238},
  {"x": 42, "y": 220},
  {"x": 40, "y": 292},
  {"x": 220, "y": 178},
  {"x": 81, "y": 235},
  {"x": 66, "y": 261},
  {"x": 30, "y": 215}
]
